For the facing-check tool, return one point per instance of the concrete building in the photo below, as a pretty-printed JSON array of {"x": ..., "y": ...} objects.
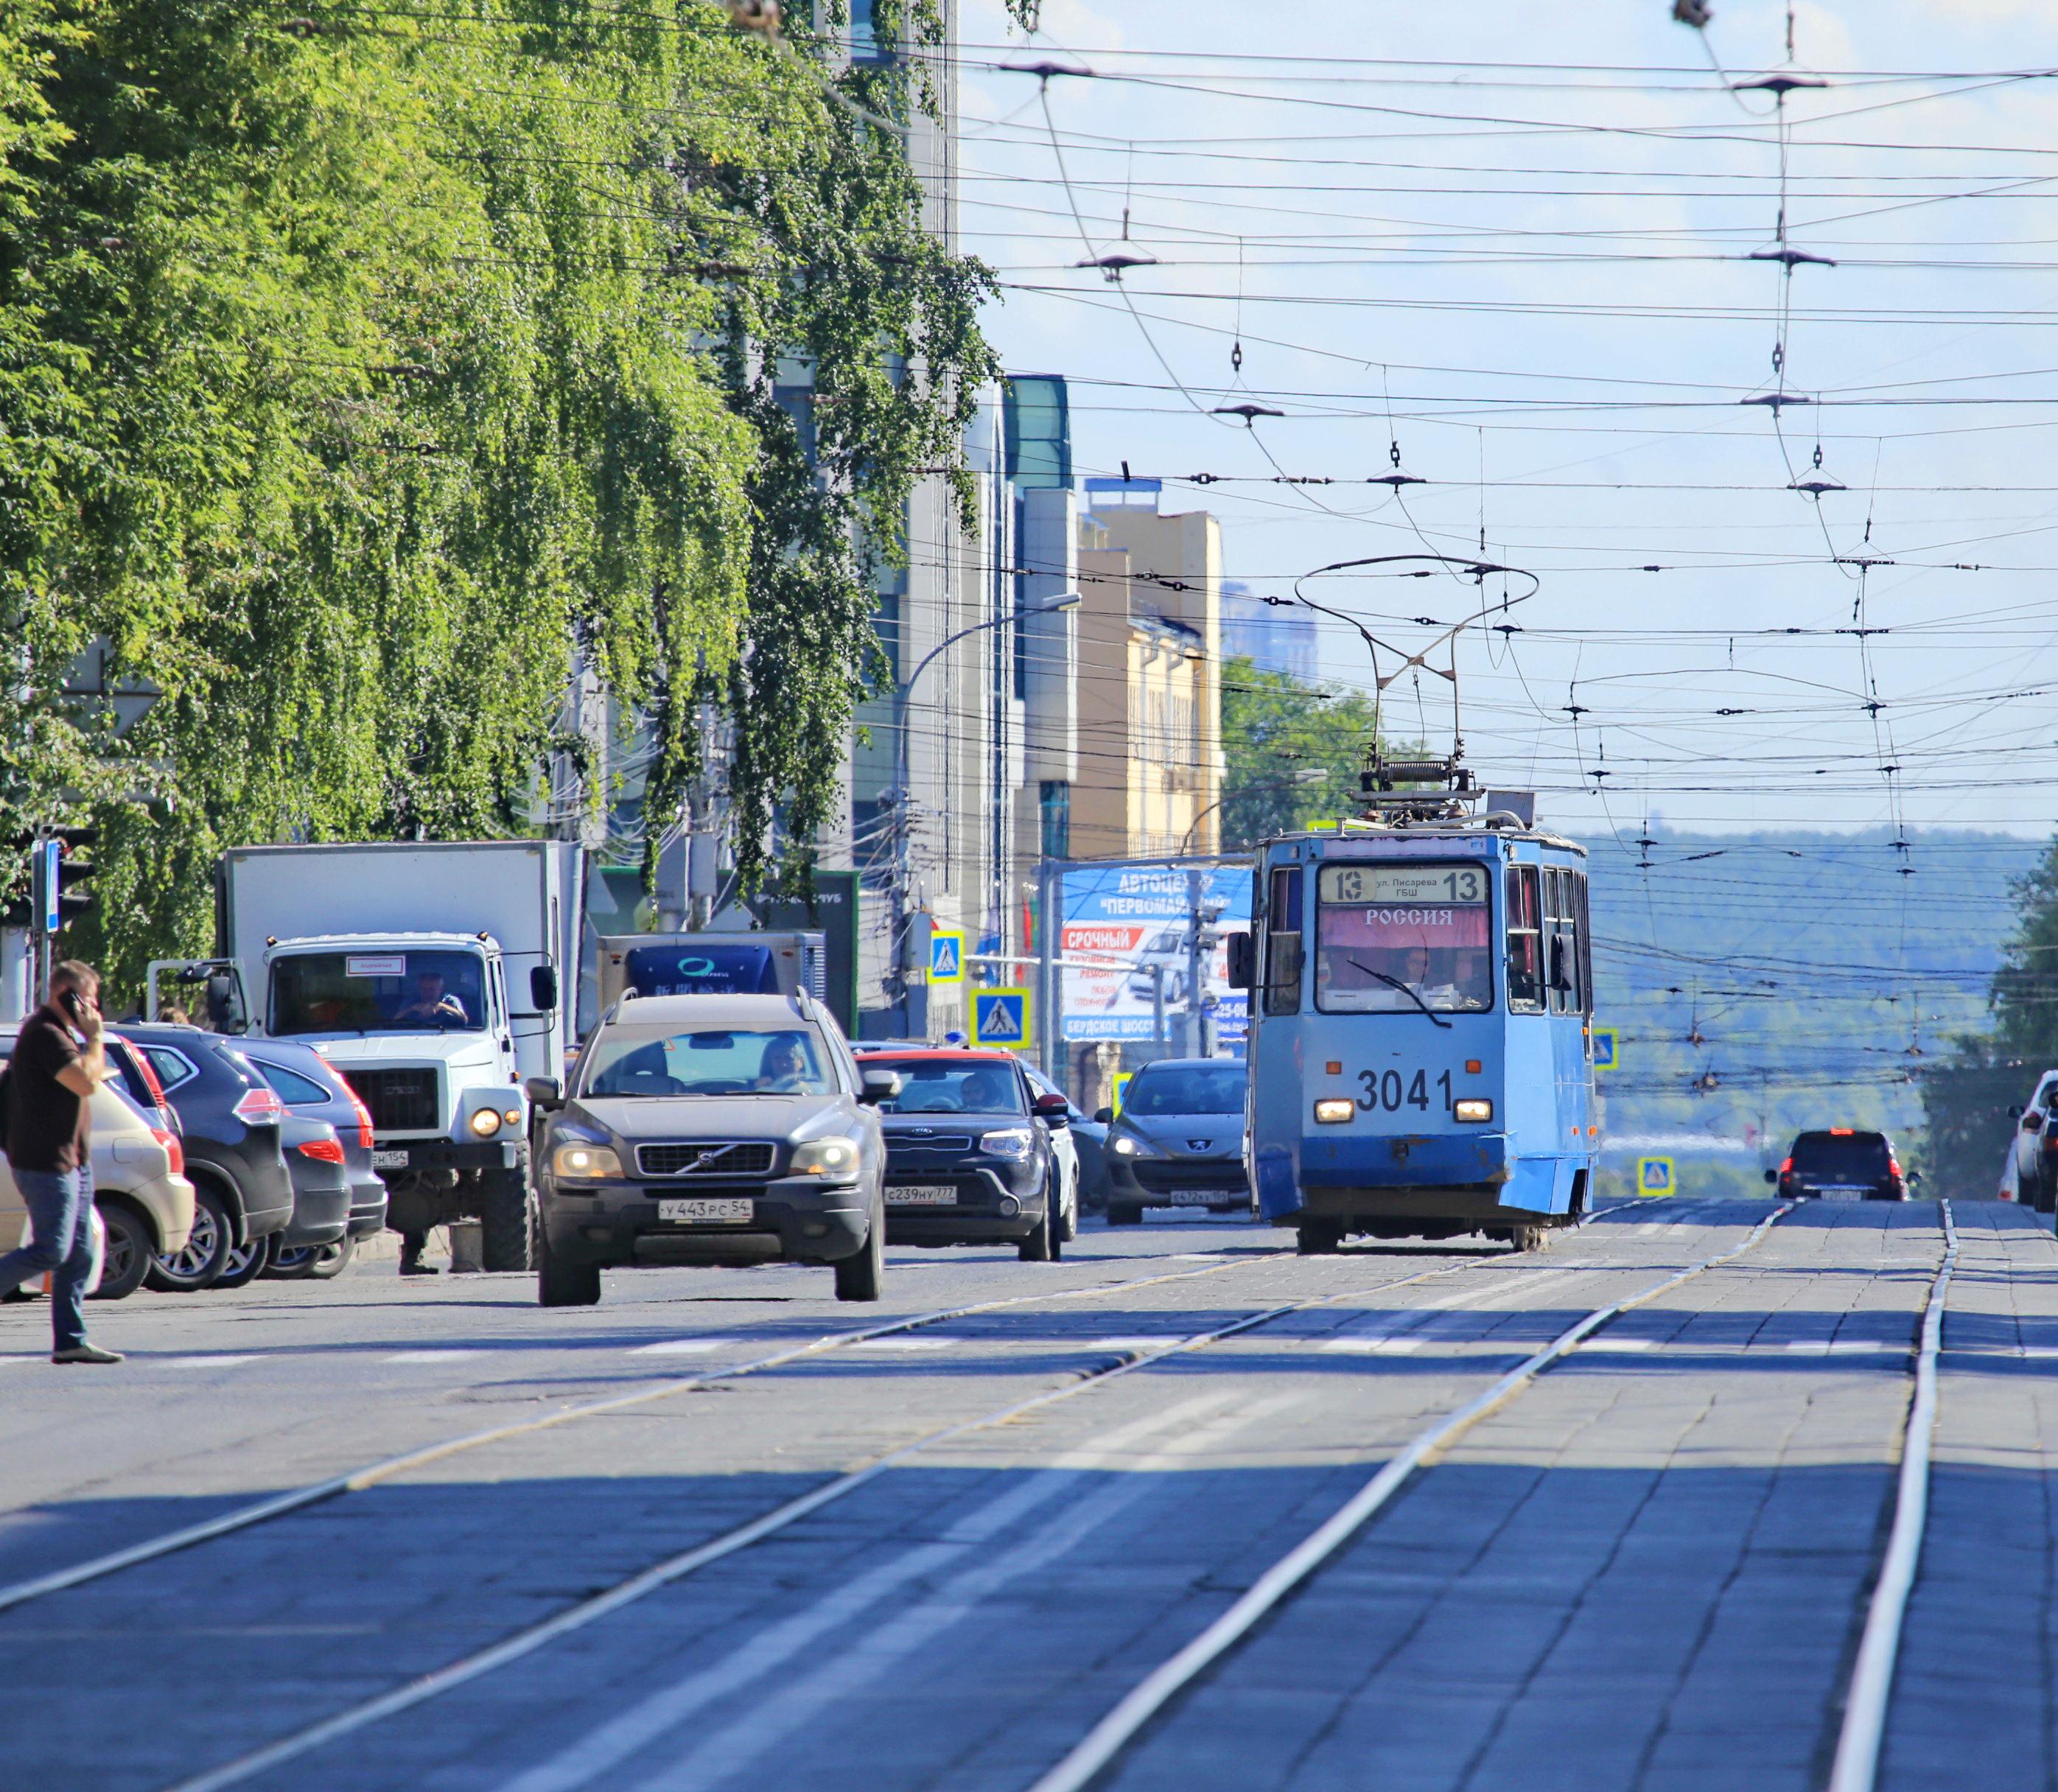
[{"x": 1149, "y": 734}]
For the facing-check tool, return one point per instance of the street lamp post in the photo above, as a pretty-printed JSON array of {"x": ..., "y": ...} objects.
[{"x": 903, "y": 695}]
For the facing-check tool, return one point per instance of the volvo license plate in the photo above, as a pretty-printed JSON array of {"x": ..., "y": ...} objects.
[
  {"x": 706, "y": 1208},
  {"x": 922, "y": 1194},
  {"x": 389, "y": 1160},
  {"x": 1199, "y": 1197}
]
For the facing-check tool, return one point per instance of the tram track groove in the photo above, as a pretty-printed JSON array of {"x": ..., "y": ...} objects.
[
  {"x": 531, "y": 1639},
  {"x": 1860, "y": 1737},
  {"x": 1096, "y": 1751}
]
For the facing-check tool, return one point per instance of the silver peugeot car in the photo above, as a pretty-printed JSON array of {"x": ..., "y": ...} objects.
[{"x": 711, "y": 1130}]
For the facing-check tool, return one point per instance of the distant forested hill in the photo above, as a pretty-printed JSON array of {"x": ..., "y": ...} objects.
[{"x": 1785, "y": 980}]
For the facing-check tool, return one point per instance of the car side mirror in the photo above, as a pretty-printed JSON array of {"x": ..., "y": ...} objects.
[
  {"x": 1104, "y": 1116},
  {"x": 544, "y": 1092},
  {"x": 1914, "y": 1176},
  {"x": 1772, "y": 1176},
  {"x": 2015, "y": 1112},
  {"x": 1054, "y": 1110},
  {"x": 1242, "y": 961},
  {"x": 2033, "y": 1122},
  {"x": 543, "y": 988},
  {"x": 224, "y": 1006},
  {"x": 875, "y": 1086}
]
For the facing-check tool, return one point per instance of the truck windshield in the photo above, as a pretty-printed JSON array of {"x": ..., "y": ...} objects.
[
  {"x": 378, "y": 992},
  {"x": 708, "y": 1061}
]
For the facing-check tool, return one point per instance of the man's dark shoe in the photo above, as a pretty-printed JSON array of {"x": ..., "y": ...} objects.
[
  {"x": 419, "y": 1269},
  {"x": 86, "y": 1353}
]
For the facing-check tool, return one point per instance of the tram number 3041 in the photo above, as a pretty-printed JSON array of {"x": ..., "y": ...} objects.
[{"x": 1391, "y": 1092}]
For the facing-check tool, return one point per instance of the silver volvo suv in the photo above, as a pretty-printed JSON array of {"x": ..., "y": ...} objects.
[{"x": 711, "y": 1130}]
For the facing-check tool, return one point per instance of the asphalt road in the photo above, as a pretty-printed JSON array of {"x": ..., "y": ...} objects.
[{"x": 1647, "y": 1568}]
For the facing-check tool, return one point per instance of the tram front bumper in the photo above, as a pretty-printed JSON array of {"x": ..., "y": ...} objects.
[{"x": 1405, "y": 1161}]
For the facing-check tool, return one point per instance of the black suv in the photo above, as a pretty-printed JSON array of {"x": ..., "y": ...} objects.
[
  {"x": 1841, "y": 1161},
  {"x": 231, "y": 1123},
  {"x": 968, "y": 1156}
]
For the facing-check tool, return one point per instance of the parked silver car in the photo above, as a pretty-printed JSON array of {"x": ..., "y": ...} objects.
[{"x": 711, "y": 1130}]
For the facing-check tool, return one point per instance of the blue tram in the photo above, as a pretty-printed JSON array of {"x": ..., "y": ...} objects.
[{"x": 1421, "y": 1048}]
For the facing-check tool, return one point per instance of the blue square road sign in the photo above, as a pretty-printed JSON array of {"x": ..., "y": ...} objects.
[
  {"x": 1001, "y": 1017},
  {"x": 947, "y": 956}
]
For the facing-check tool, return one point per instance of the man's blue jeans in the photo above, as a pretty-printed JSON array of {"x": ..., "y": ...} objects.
[{"x": 60, "y": 1204}]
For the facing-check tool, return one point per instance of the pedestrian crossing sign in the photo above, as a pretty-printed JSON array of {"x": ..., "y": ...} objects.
[
  {"x": 1654, "y": 1175},
  {"x": 1001, "y": 1017},
  {"x": 946, "y": 956},
  {"x": 1604, "y": 1048}
]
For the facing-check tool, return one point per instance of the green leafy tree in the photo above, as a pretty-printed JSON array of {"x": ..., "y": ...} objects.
[
  {"x": 2024, "y": 994},
  {"x": 362, "y": 371},
  {"x": 1294, "y": 751}
]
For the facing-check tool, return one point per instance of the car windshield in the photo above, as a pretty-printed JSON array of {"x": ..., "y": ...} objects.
[
  {"x": 1840, "y": 1157},
  {"x": 378, "y": 992},
  {"x": 928, "y": 1087},
  {"x": 634, "y": 1061},
  {"x": 1189, "y": 1089},
  {"x": 1398, "y": 938}
]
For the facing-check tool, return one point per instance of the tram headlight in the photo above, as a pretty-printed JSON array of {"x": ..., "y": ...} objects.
[
  {"x": 1332, "y": 1110},
  {"x": 1474, "y": 1108}
]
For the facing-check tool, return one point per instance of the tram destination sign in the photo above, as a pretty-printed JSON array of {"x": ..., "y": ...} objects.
[{"x": 1385, "y": 884}]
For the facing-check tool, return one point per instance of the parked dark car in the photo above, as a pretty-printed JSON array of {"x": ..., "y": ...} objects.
[
  {"x": 1840, "y": 1161},
  {"x": 139, "y": 1081},
  {"x": 231, "y": 1126},
  {"x": 1178, "y": 1141},
  {"x": 313, "y": 1089},
  {"x": 968, "y": 1153}
]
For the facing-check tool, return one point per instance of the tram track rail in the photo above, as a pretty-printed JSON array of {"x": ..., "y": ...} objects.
[{"x": 584, "y": 1613}]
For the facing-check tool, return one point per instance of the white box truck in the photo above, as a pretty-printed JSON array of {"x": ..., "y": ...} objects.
[{"x": 435, "y": 977}]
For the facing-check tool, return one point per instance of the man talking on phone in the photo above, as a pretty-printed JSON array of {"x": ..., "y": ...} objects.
[{"x": 58, "y": 1063}]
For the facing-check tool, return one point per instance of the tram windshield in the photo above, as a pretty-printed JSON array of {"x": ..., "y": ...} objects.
[{"x": 1393, "y": 939}]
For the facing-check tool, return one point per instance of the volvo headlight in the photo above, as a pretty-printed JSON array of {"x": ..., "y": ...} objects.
[
  {"x": 835, "y": 1158},
  {"x": 1473, "y": 1108},
  {"x": 586, "y": 1161},
  {"x": 1009, "y": 1141},
  {"x": 485, "y": 1123}
]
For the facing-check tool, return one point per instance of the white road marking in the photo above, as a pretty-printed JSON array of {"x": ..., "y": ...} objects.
[
  {"x": 1138, "y": 1343},
  {"x": 430, "y": 1356},
  {"x": 906, "y": 1344},
  {"x": 206, "y": 1362},
  {"x": 772, "y": 1648},
  {"x": 5, "y": 1360},
  {"x": 678, "y": 1347},
  {"x": 1620, "y": 1344},
  {"x": 1430, "y": 1322}
]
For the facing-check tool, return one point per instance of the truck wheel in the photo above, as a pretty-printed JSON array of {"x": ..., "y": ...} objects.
[
  {"x": 863, "y": 1277},
  {"x": 188, "y": 1270},
  {"x": 127, "y": 1253},
  {"x": 506, "y": 1227},
  {"x": 559, "y": 1284},
  {"x": 1320, "y": 1237}
]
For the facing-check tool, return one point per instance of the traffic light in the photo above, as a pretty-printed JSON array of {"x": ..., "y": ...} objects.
[{"x": 75, "y": 871}]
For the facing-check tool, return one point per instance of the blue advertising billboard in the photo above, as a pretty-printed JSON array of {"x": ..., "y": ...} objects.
[{"x": 1136, "y": 917}]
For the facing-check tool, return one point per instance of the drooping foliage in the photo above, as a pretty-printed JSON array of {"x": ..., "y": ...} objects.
[{"x": 364, "y": 372}]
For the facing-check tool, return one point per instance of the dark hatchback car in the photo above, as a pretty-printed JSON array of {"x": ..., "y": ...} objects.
[
  {"x": 1843, "y": 1164},
  {"x": 1178, "y": 1140},
  {"x": 313, "y": 1089},
  {"x": 232, "y": 1126},
  {"x": 968, "y": 1156}
]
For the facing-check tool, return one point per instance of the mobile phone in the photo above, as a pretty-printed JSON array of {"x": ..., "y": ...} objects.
[{"x": 72, "y": 1004}]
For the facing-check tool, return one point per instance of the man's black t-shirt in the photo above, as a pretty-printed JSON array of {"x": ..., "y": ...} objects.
[{"x": 49, "y": 1128}]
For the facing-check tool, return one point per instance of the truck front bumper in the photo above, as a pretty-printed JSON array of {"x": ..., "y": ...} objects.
[{"x": 401, "y": 1157}]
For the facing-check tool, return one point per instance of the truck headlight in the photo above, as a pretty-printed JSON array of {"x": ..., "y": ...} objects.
[
  {"x": 834, "y": 1158},
  {"x": 1474, "y": 1108},
  {"x": 485, "y": 1123},
  {"x": 586, "y": 1161},
  {"x": 1009, "y": 1141},
  {"x": 1332, "y": 1110}
]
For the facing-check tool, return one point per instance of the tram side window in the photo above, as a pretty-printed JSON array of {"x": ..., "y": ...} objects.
[
  {"x": 1525, "y": 941},
  {"x": 1586, "y": 941},
  {"x": 1562, "y": 948},
  {"x": 1282, "y": 942}
]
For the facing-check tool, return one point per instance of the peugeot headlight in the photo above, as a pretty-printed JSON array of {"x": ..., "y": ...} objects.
[
  {"x": 586, "y": 1161},
  {"x": 833, "y": 1158},
  {"x": 1125, "y": 1145},
  {"x": 485, "y": 1123},
  {"x": 1009, "y": 1141}
]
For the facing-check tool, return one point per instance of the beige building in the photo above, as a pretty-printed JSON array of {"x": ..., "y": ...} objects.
[{"x": 1150, "y": 776}]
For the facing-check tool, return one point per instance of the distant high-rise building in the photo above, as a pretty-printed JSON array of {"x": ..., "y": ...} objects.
[{"x": 1272, "y": 638}]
